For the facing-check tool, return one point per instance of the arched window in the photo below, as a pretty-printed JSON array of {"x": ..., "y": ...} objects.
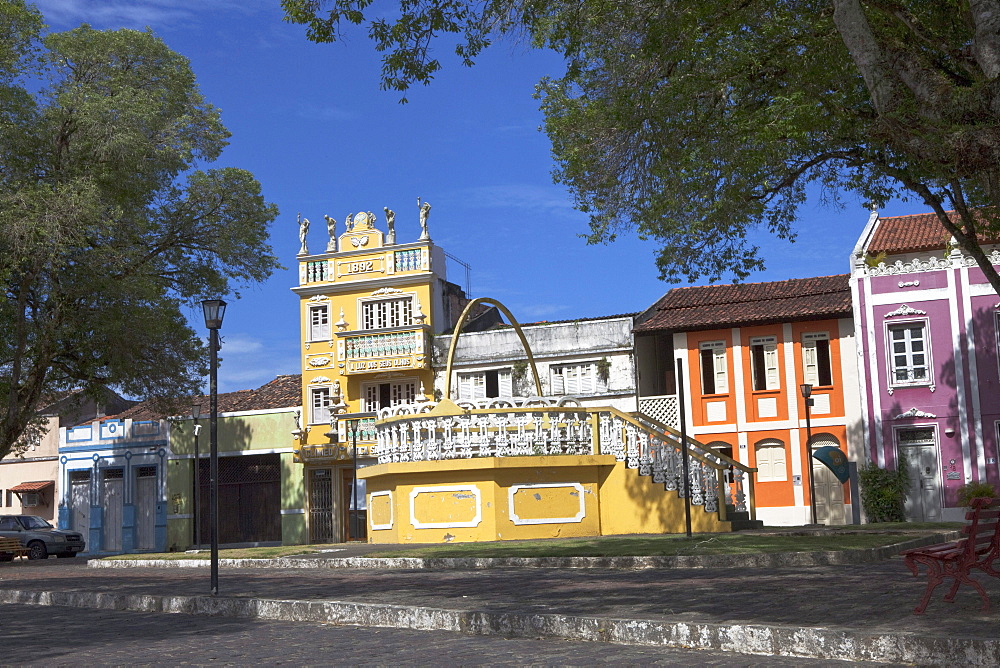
[{"x": 771, "y": 460}]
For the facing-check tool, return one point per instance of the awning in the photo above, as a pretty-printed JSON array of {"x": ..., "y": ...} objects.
[{"x": 33, "y": 486}]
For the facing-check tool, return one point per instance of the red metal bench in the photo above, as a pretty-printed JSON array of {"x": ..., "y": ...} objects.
[{"x": 977, "y": 549}]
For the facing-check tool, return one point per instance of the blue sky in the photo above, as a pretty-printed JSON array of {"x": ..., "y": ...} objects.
[{"x": 311, "y": 123}]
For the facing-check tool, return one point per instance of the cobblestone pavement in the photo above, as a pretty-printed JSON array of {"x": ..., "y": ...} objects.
[
  {"x": 95, "y": 637},
  {"x": 874, "y": 597}
]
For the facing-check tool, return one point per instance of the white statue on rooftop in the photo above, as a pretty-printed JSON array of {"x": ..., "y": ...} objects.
[
  {"x": 331, "y": 227},
  {"x": 303, "y": 232},
  {"x": 390, "y": 221},
  {"x": 425, "y": 211}
]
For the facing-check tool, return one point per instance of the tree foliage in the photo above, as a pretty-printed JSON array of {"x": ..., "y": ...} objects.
[
  {"x": 695, "y": 123},
  {"x": 109, "y": 229}
]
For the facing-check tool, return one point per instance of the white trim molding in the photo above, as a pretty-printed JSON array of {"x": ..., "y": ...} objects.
[
  {"x": 371, "y": 521},
  {"x": 581, "y": 513},
  {"x": 472, "y": 489}
]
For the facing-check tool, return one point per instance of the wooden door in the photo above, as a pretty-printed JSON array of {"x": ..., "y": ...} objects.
[
  {"x": 80, "y": 504},
  {"x": 923, "y": 499},
  {"x": 112, "y": 496},
  {"x": 829, "y": 495},
  {"x": 145, "y": 508}
]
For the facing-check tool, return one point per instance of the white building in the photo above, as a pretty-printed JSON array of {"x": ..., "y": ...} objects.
[{"x": 591, "y": 359}]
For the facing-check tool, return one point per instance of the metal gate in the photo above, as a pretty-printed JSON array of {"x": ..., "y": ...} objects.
[
  {"x": 321, "y": 506},
  {"x": 249, "y": 499}
]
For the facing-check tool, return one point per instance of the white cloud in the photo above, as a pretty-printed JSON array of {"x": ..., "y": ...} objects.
[
  {"x": 535, "y": 312},
  {"x": 534, "y": 198},
  {"x": 313, "y": 113},
  {"x": 240, "y": 344},
  {"x": 135, "y": 13}
]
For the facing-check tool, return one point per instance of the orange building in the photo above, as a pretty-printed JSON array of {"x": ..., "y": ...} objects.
[{"x": 742, "y": 353}]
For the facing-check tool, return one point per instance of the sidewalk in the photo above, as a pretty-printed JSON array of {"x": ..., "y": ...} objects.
[{"x": 853, "y": 612}]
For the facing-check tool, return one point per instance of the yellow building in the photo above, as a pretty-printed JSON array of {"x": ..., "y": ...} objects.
[{"x": 368, "y": 309}]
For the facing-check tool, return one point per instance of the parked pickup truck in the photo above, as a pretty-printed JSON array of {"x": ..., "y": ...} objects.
[{"x": 39, "y": 537}]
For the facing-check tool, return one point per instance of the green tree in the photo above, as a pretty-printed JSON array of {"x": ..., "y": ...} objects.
[
  {"x": 695, "y": 123},
  {"x": 108, "y": 229}
]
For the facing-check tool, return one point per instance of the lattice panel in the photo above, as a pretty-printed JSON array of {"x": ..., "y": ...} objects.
[{"x": 662, "y": 409}]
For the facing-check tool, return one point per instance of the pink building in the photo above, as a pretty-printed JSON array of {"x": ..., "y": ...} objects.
[{"x": 927, "y": 330}]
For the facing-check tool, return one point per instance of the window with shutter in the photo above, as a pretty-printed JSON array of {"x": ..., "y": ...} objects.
[
  {"x": 319, "y": 323},
  {"x": 771, "y": 461},
  {"x": 488, "y": 384},
  {"x": 376, "y": 396},
  {"x": 764, "y": 362},
  {"x": 320, "y": 405},
  {"x": 908, "y": 354},
  {"x": 575, "y": 379},
  {"x": 387, "y": 313},
  {"x": 714, "y": 370},
  {"x": 816, "y": 367}
]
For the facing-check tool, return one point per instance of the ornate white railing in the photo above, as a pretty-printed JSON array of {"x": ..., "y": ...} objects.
[
  {"x": 509, "y": 427},
  {"x": 500, "y": 428},
  {"x": 388, "y": 344}
]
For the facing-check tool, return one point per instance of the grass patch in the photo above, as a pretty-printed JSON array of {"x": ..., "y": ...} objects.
[
  {"x": 236, "y": 553},
  {"x": 657, "y": 546}
]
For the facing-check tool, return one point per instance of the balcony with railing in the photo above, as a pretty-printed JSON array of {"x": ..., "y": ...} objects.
[
  {"x": 384, "y": 351},
  {"x": 314, "y": 271},
  {"x": 347, "y": 434}
]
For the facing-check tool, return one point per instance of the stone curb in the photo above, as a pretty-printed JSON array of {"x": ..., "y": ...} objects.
[
  {"x": 753, "y": 639},
  {"x": 755, "y": 560}
]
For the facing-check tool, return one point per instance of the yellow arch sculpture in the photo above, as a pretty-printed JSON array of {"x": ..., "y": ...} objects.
[{"x": 458, "y": 330}]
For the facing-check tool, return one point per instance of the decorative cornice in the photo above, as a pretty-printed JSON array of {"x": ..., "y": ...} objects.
[
  {"x": 905, "y": 310},
  {"x": 318, "y": 380},
  {"x": 914, "y": 413},
  {"x": 932, "y": 263}
]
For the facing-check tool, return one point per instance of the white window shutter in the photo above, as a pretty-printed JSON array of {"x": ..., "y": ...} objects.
[
  {"x": 506, "y": 384},
  {"x": 809, "y": 363},
  {"x": 771, "y": 363},
  {"x": 721, "y": 375},
  {"x": 558, "y": 381}
]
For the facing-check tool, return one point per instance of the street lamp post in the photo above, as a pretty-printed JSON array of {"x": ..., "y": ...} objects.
[
  {"x": 196, "y": 485},
  {"x": 806, "y": 390},
  {"x": 214, "y": 310}
]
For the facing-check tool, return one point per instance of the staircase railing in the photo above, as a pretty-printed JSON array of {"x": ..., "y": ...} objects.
[{"x": 654, "y": 448}]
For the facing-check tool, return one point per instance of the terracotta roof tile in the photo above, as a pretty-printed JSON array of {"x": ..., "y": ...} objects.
[
  {"x": 908, "y": 234},
  {"x": 712, "y": 306},
  {"x": 36, "y": 486},
  {"x": 283, "y": 392},
  {"x": 912, "y": 234}
]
